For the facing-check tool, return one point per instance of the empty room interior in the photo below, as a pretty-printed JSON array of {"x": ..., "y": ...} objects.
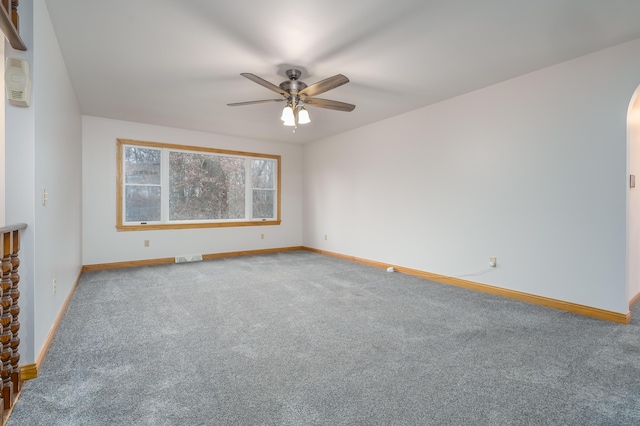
[{"x": 354, "y": 198}]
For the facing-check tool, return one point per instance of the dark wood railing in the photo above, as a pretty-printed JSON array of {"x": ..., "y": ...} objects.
[
  {"x": 10, "y": 23},
  {"x": 9, "y": 312}
]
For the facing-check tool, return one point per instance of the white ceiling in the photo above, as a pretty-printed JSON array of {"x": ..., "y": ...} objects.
[{"x": 178, "y": 62}]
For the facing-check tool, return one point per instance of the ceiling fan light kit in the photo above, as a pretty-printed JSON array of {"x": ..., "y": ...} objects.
[
  {"x": 298, "y": 94},
  {"x": 288, "y": 116},
  {"x": 303, "y": 116}
]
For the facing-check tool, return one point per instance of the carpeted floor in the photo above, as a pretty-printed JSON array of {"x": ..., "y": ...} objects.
[{"x": 303, "y": 339}]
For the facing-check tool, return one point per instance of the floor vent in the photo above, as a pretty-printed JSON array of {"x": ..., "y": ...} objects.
[{"x": 189, "y": 258}]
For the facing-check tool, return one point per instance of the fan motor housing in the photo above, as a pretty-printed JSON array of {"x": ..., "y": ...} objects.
[{"x": 292, "y": 86}]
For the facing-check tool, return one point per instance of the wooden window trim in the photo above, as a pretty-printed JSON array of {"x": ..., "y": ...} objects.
[{"x": 120, "y": 226}]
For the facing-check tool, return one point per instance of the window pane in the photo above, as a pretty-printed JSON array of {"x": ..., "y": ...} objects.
[
  {"x": 205, "y": 187},
  {"x": 263, "y": 204},
  {"x": 263, "y": 174},
  {"x": 142, "y": 203},
  {"x": 142, "y": 165},
  {"x": 174, "y": 188}
]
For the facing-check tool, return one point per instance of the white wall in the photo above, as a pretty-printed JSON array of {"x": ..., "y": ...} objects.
[
  {"x": 103, "y": 244},
  {"x": 531, "y": 170},
  {"x": 2, "y": 156},
  {"x": 43, "y": 145},
  {"x": 20, "y": 185},
  {"x": 58, "y": 169},
  {"x": 633, "y": 198}
]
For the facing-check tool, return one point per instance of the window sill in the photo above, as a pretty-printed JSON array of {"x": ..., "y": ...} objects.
[{"x": 160, "y": 227}]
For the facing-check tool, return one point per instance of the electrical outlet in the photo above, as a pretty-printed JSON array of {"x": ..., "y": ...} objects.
[
  {"x": 493, "y": 261},
  {"x": 54, "y": 286},
  {"x": 325, "y": 237},
  {"x": 146, "y": 243},
  {"x": 262, "y": 236}
]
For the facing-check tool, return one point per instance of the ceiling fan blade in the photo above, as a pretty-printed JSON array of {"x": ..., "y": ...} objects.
[
  {"x": 265, "y": 83},
  {"x": 324, "y": 85},
  {"x": 325, "y": 103},
  {"x": 255, "y": 102}
]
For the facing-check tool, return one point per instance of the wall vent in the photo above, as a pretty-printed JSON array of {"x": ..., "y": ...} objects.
[{"x": 17, "y": 81}]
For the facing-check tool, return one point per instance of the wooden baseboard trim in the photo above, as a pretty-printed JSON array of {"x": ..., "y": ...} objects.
[
  {"x": 165, "y": 260},
  {"x": 30, "y": 371},
  {"x": 128, "y": 264},
  {"x": 499, "y": 291},
  {"x": 249, "y": 252},
  {"x": 634, "y": 300}
]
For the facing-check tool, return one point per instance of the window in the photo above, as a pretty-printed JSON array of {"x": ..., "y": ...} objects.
[{"x": 162, "y": 186}]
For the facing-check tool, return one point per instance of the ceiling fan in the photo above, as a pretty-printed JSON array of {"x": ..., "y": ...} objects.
[{"x": 297, "y": 94}]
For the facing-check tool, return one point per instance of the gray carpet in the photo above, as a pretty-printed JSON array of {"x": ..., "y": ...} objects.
[{"x": 303, "y": 339}]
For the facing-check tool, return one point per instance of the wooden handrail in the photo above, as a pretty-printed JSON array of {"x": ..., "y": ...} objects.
[
  {"x": 9, "y": 24},
  {"x": 9, "y": 312},
  {"x": 11, "y": 228}
]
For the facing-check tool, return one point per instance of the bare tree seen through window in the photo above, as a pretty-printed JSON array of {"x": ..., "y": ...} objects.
[
  {"x": 206, "y": 187},
  {"x": 142, "y": 184}
]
